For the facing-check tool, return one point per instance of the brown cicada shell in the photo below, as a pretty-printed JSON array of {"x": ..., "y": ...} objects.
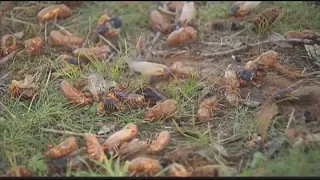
[
  {"x": 72, "y": 94},
  {"x": 8, "y": 44},
  {"x": 182, "y": 36},
  {"x": 126, "y": 134},
  {"x": 54, "y": 11},
  {"x": 59, "y": 39},
  {"x": 232, "y": 96},
  {"x": 131, "y": 99},
  {"x": 230, "y": 77},
  {"x": 110, "y": 104},
  {"x": 132, "y": 147},
  {"x": 19, "y": 171},
  {"x": 160, "y": 143},
  {"x": 161, "y": 110},
  {"x": 26, "y": 88},
  {"x": 266, "y": 18},
  {"x": 178, "y": 170},
  {"x": 158, "y": 22},
  {"x": 267, "y": 59},
  {"x": 94, "y": 149},
  {"x": 33, "y": 45},
  {"x": 144, "y": 165},
  {"x": 66, "y": 147},
  {"x": 306, "y": 34},
  {"x": 181, "y": 71},
  {"x": 204, "y": 112},
  {"x": 93, "y": 53}
]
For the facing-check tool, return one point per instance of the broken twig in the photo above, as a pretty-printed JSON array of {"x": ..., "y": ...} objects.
[{"x": 53, "y": 131}]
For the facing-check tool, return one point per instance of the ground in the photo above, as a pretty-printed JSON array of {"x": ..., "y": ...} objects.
[{"x": 22, "y": 141}]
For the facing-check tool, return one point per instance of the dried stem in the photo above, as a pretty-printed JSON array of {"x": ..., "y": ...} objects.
[{"x": 53, "y": 131}]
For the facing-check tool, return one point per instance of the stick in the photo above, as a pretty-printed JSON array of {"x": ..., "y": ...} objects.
[
  {"x": 53, "y": 131},
  {"x": 109, "y": 43},
  {"x": 8, "y": 57},
  {"x": 291, "y": 117}
]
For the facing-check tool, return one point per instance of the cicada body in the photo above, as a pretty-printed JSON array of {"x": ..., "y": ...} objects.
[
  {"x": 151, "y": 95},
  {"x": 161, "y": 110},
  {"x": 59, "y": 39},
  {"x": 94, "y": 149},
  {"x": 66, "y": 147},
  {"x": 72, "y": 94},
  {"x": 178, "y": 170},
  {"x": 112, "y": 104},
  {"x": 144, "y": 165},
  {"x": 131, "y": 99},
  {"x": 132, "y": 147},
  {"x": 8, "y": 46},
  {"x": 160, "y": 143},
  {"x": 126, "y": 134},
  {"x": 33, "y": 45},
  {"x": 55, "y": 11},
  {"x": 109, "y": 26}
]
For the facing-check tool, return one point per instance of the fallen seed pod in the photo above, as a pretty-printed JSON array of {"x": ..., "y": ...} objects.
[
  {"x": 161, "y": 110},
  {"x": 144, "y": 165},
  {"x": 160, "y": 143},
  {"x": 59, "y": 39},
  {"x": 64, "y": 58},
  {"x": 92, "y": 53},
  {"x": 94, "y": 149},
  {"x": 54, "y": 11},
  {"x": 66, "y": 147},
  {"x": 126, "y": 134},
  {"x": 26, "y": 88},
  {"x": 151, "y": 95},
  {"x": 177, "y": 170},
  {"x": 182, "y": 36},
  {"x": 232, "y": 96},
  {"x": 267, "y": 59},
  {"x": 8, "y": 44},
  {"x": 204, "y": 112},
  {"x": 72, "y": 94},
  {"x": 33, "y": 45},
  {"x": 132, "y": 147},
  {"x": 158, "y": 23},
  {"x": 242, "y": 8},
  {"x": 19, "y": 171},
  {"x": 230, "y": 77}
]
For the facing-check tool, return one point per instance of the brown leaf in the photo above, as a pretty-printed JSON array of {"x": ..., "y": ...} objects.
[
  {"x": 161, "y": 110},
  {"x": 59, "y": 39},
  {"x": 267, "y": 111},
  {"x": 160, "y": 143},
  {"x": 72, "y": 94},
  {"x": 144, "y": 165},
  {"x": 54, "y": 11},
  {"x": 64, "y": 148}
]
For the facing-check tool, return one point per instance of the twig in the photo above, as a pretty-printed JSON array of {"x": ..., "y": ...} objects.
[
  {"x": 291, "y": 117},
  {"x": 63, "y": 29},
  {"x": 8, "y": 57},
  {"x": 53, "y": 131},
  {"x": 223, "y": 53},
  {"x": 89, "y": 32},
  {"x": 109, "y": 43}
]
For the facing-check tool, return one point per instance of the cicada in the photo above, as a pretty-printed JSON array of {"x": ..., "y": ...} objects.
[
  {"x": 144, "y": 165},
  {"x": 178, "y": 170},
  {"x": 110, "y": 104},
  {"x": 8, "y": 44},
  {"x": 54, "y": 11},
  {"x": 151, "y": 95},
  {"x": 94, "y": 149},
  {"x": 126, "y": 134},
  {"x": 33, "y": 45},
  {"x": 59, "y": 39},
  {"x": 161, "y": 110},
  {"x": 182, "y": 36},
  {"x": 131, "y": 99},
  {"x": 132, "y": 147},
  {"x": 205, "y": 108},
  {"x": 72, "y": 94},
  {"x": 160, "y": 143},
  {"x": 66, "y": 147}
]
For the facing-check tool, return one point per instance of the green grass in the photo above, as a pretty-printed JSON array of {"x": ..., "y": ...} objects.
[{"x": 22, "y": 142}]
